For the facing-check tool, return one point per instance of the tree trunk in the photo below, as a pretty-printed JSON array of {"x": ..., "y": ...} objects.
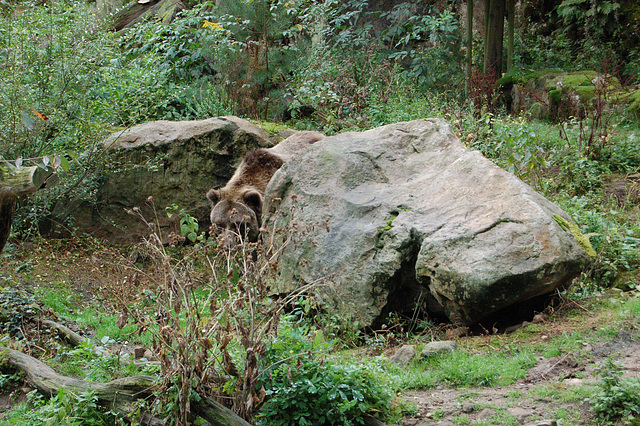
[
  {"x": 494, "y": 36},
  {"x": 511, "y": 19},
  {"x": 487, "y": 4},
  {"x": 7, "y": 207},
  {"x": 469, "y": 40},
  {"x": 19, "y": 181},
  {"x": 118, "y": 394}
]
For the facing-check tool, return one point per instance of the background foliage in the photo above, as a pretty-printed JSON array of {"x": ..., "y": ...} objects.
[{"x": 66, "y": 81}]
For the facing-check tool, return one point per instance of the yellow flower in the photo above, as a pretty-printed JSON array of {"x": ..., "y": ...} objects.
[{"x": 212, "y": 25}]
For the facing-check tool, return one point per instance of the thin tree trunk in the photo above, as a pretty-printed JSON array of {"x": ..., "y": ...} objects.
[
  {"x": 487, "y": 5},
  {"x": 469, "y": 41},
  {"x": 511, "y": 19}
]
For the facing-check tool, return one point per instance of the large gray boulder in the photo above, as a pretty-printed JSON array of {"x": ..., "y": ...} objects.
[
  {"x": 405, "y": 215},
  {"x": 175, "y": 162}
]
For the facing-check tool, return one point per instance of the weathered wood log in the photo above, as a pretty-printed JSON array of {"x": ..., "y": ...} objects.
[
  {"x": 25, "y": 180},
  {"x": 16, "y": 182},
  {"x": 73, "y": 338},
  {"x": 216, "y": 413},
  {"x": 117, "y": 394},
  {"x": 46, "y": 380},
  {"x": 143, "y": 9}
]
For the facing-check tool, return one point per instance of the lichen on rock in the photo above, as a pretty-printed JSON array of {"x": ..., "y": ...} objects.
[{"x": 582, "y": 239}]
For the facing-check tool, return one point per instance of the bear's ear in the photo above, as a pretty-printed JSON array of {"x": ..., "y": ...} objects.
[
  {"x": 214, "y": 196},
  {"x": 253, "y": 200}
]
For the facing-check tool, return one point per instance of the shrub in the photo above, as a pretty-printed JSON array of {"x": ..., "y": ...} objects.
[
  {"x": 618, "y": 399},
  {"x": 47, "y": 65},
  {"x": 313, "y": 392}
]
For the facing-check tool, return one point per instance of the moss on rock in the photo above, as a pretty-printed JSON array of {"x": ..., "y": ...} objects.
[
  {"x": 582, "y": 239},
  {"x": 634, "y": 103}
]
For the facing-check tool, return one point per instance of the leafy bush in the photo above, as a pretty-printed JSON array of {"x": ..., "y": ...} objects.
[
  {"x": 428, "y": 45},
  {"x": 515, "y": 148},
  {"x": 617, "y": 245},
  {"x": 619, "y": 399},
  {"x": 312, "y": 392},
  {"x": 184, "y": 48},
  {"x": 47, "y": 65},
  {"x": 63, "y": 408}
]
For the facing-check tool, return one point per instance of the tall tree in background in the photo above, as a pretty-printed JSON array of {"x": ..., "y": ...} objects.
[
  {"x": 494, "y": 35},
  {"x": 469, "y": 38},
  {"x": 511, "y": 19}
]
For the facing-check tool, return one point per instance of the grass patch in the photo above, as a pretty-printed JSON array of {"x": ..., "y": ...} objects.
[
  {"x": 562, "y": 393},
  {"x": 462, "y": 369}
]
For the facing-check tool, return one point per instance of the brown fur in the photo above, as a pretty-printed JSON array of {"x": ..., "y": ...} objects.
[{"x": 237, "y": 207}]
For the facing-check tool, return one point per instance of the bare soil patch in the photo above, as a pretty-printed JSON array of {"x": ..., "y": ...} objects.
[{"x": 552, "y": 390}]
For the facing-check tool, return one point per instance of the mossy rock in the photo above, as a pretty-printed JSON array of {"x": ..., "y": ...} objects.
[
  {"x": 523, "y": 76},
  {"x": 542, "y": 73},
  {"x": 571, "y": 80},
  {"x": 537, "y": 111},
  {"x": 634, "y": 103},
  {"x": 556, "y": 84},
  {"x": 586, "y": 93},
  {"x": 555, "y": 96}
]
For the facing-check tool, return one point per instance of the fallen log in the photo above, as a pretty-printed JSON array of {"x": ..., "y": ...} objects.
[
  {"x": 17, "y": 181},
  {"x": 73, "y": 338},
  {"x": 118, "y": 394}
]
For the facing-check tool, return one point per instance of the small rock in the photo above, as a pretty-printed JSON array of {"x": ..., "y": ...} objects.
[
  {"x": 573, "y": 382},
  {"x": 433, "y": 348},
  {"x": 486, "y": 414},
  {"x": 149, "y": 355},
  {"x": 468, "y": 407},
  {"x": 404, "y": 355},
  {"x": 521, "y": 414},
  {"x": 538, "y": 318},
  {"x": 138, "y": 352},
  {"x": 543, "y": 423},
  {"x": 513, "y": 328}
]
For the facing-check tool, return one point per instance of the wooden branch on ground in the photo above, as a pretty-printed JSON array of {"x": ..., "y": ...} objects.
[
  {"x": 216, "y": 413},
  {"x": 73, "y": 338},
  {"x": 118, "y": 394}
]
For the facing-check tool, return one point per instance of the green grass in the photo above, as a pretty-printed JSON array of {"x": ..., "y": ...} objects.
[
  {"x": 462, "y": 369},
  {"x": 563, "y": 393},
  {"x": 104, "y": 326}
]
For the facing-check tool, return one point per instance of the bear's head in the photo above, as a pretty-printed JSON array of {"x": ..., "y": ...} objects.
[{"x": 236, "y": 218}]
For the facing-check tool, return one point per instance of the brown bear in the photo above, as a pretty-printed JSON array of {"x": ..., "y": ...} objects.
[{"x": 236, "y": 211}]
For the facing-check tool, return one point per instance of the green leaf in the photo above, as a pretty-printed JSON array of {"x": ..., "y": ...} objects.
[
  {"x": 27, "y": 120},
  {"x": 64, "y": 163}
]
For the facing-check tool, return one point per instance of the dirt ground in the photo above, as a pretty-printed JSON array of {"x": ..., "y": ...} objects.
[{"x": 539, "y": 399}]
